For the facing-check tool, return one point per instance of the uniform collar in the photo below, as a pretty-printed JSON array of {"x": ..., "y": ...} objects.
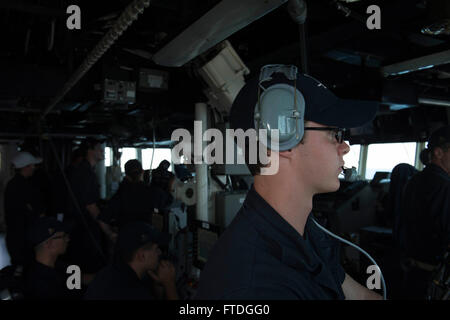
[
  {"x": 125, "y": 269},
  {"x": 274, "y": 228},
  {"x": 285, "y": 243}
]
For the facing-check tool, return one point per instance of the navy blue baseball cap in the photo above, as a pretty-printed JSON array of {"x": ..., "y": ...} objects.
[
  {"x": 321, "y": 105},
  {"x": 44, "y": 228},
  {"x": 135, "y": 235},
  {"x": 439, "y": 137}
]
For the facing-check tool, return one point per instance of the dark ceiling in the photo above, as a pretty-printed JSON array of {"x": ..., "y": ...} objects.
[{"x": 342, "y": 52}]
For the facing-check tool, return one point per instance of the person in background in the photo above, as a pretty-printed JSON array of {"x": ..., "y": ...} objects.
[
  {"x": 46, "y": 276},
  {"x": 86, "y": 248},
  {"x": 136, "y": 267},
  {"x": 400, "y": 176},
  {"x": 273, "y": 248},
  {"x": 424, "y": 225},
  {"x": 58, "y": 186},
  {"x": 130, "y": 203},
  {"x": 162, "y": 184},
  {"x": 22, "y": 207}
]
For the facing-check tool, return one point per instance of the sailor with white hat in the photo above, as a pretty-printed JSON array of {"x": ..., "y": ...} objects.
[{"x": 22, "y": 206}]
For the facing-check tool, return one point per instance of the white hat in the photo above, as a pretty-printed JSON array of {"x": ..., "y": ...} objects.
[{"x": 23, "y": 159}]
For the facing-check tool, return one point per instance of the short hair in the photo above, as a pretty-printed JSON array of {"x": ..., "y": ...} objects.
[
  {"x": 164, "y": 165},
  {"x": 133, "y": 169},
  {"x": 444, "y": 147},
  {"x": 255, "y": 168}
]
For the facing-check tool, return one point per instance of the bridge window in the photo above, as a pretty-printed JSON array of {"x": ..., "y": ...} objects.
[
  {"x": 127, "y": 154},
  {"x": 160, "y": 155},
  {"x": 352, "y": 158},
  {"x": 385, "y": 156},
  {"x": 108, "y": 157}
]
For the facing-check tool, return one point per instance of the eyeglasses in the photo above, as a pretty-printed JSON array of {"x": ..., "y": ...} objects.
[{"x": 338, "y": 132}]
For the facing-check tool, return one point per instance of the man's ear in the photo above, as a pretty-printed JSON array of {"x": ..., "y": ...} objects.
[
  {"x": 438, "y": 153},
  {"x": 139, "y": 255},
  {"x": 48, "y": 244}
]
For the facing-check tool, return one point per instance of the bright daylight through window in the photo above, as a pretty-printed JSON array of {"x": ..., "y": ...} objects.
[
  {"x": 385, "y": 156},
  {"x": 160, "y": 155}
]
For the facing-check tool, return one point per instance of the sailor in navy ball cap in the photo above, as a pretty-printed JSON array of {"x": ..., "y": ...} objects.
[
  {"x": 424, "y": 223},
  {"x": 136, "y": 267},
  {"x": 46, "y": 278},
  {"x": 46, "y": 228},
  {"x": 272, "y": 249}
]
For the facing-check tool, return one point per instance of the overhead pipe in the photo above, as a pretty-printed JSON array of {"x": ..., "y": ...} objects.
[
  {"x": 25, "y": 6},
  {"x": 434, "y": 102},
  {"x": 129, "y": 15},
  {"x": 24, "y": 110},
  {"x": 417, "y": 64},
  {"x": 298, "y": 11},
  {"x": 53, "y": 135}
]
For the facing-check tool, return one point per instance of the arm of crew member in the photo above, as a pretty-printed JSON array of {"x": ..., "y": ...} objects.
[
  {"x": 93, "y": 210},
  {"x": 171, "y": 291},
  {"x": 166, "y": 274},
  {"x": 354, "y": 291},
  {"x": 108, "y": 230},
  {"x": 166, "y": 277}
]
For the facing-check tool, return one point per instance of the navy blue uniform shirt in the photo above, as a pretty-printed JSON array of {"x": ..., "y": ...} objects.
[
  {"x": 85, "y": 186},
  {"x": 22, "y": 207},
  {"x": 261, "y": 256},
  {"x": 118, "y": 281},
  {"x": 425, "y": 218},
  {"x": 133, "y": 201},
  {"x": 45, "y": 283}
]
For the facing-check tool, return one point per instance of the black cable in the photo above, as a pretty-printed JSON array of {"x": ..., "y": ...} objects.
[
  {"x": 298, "y": 11},
  {"x": 75, "y": 201},
  {"x": 303, "y": 49}
]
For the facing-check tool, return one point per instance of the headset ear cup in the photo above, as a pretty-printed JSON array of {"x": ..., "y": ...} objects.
[{"x": 277, "y": 110}]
